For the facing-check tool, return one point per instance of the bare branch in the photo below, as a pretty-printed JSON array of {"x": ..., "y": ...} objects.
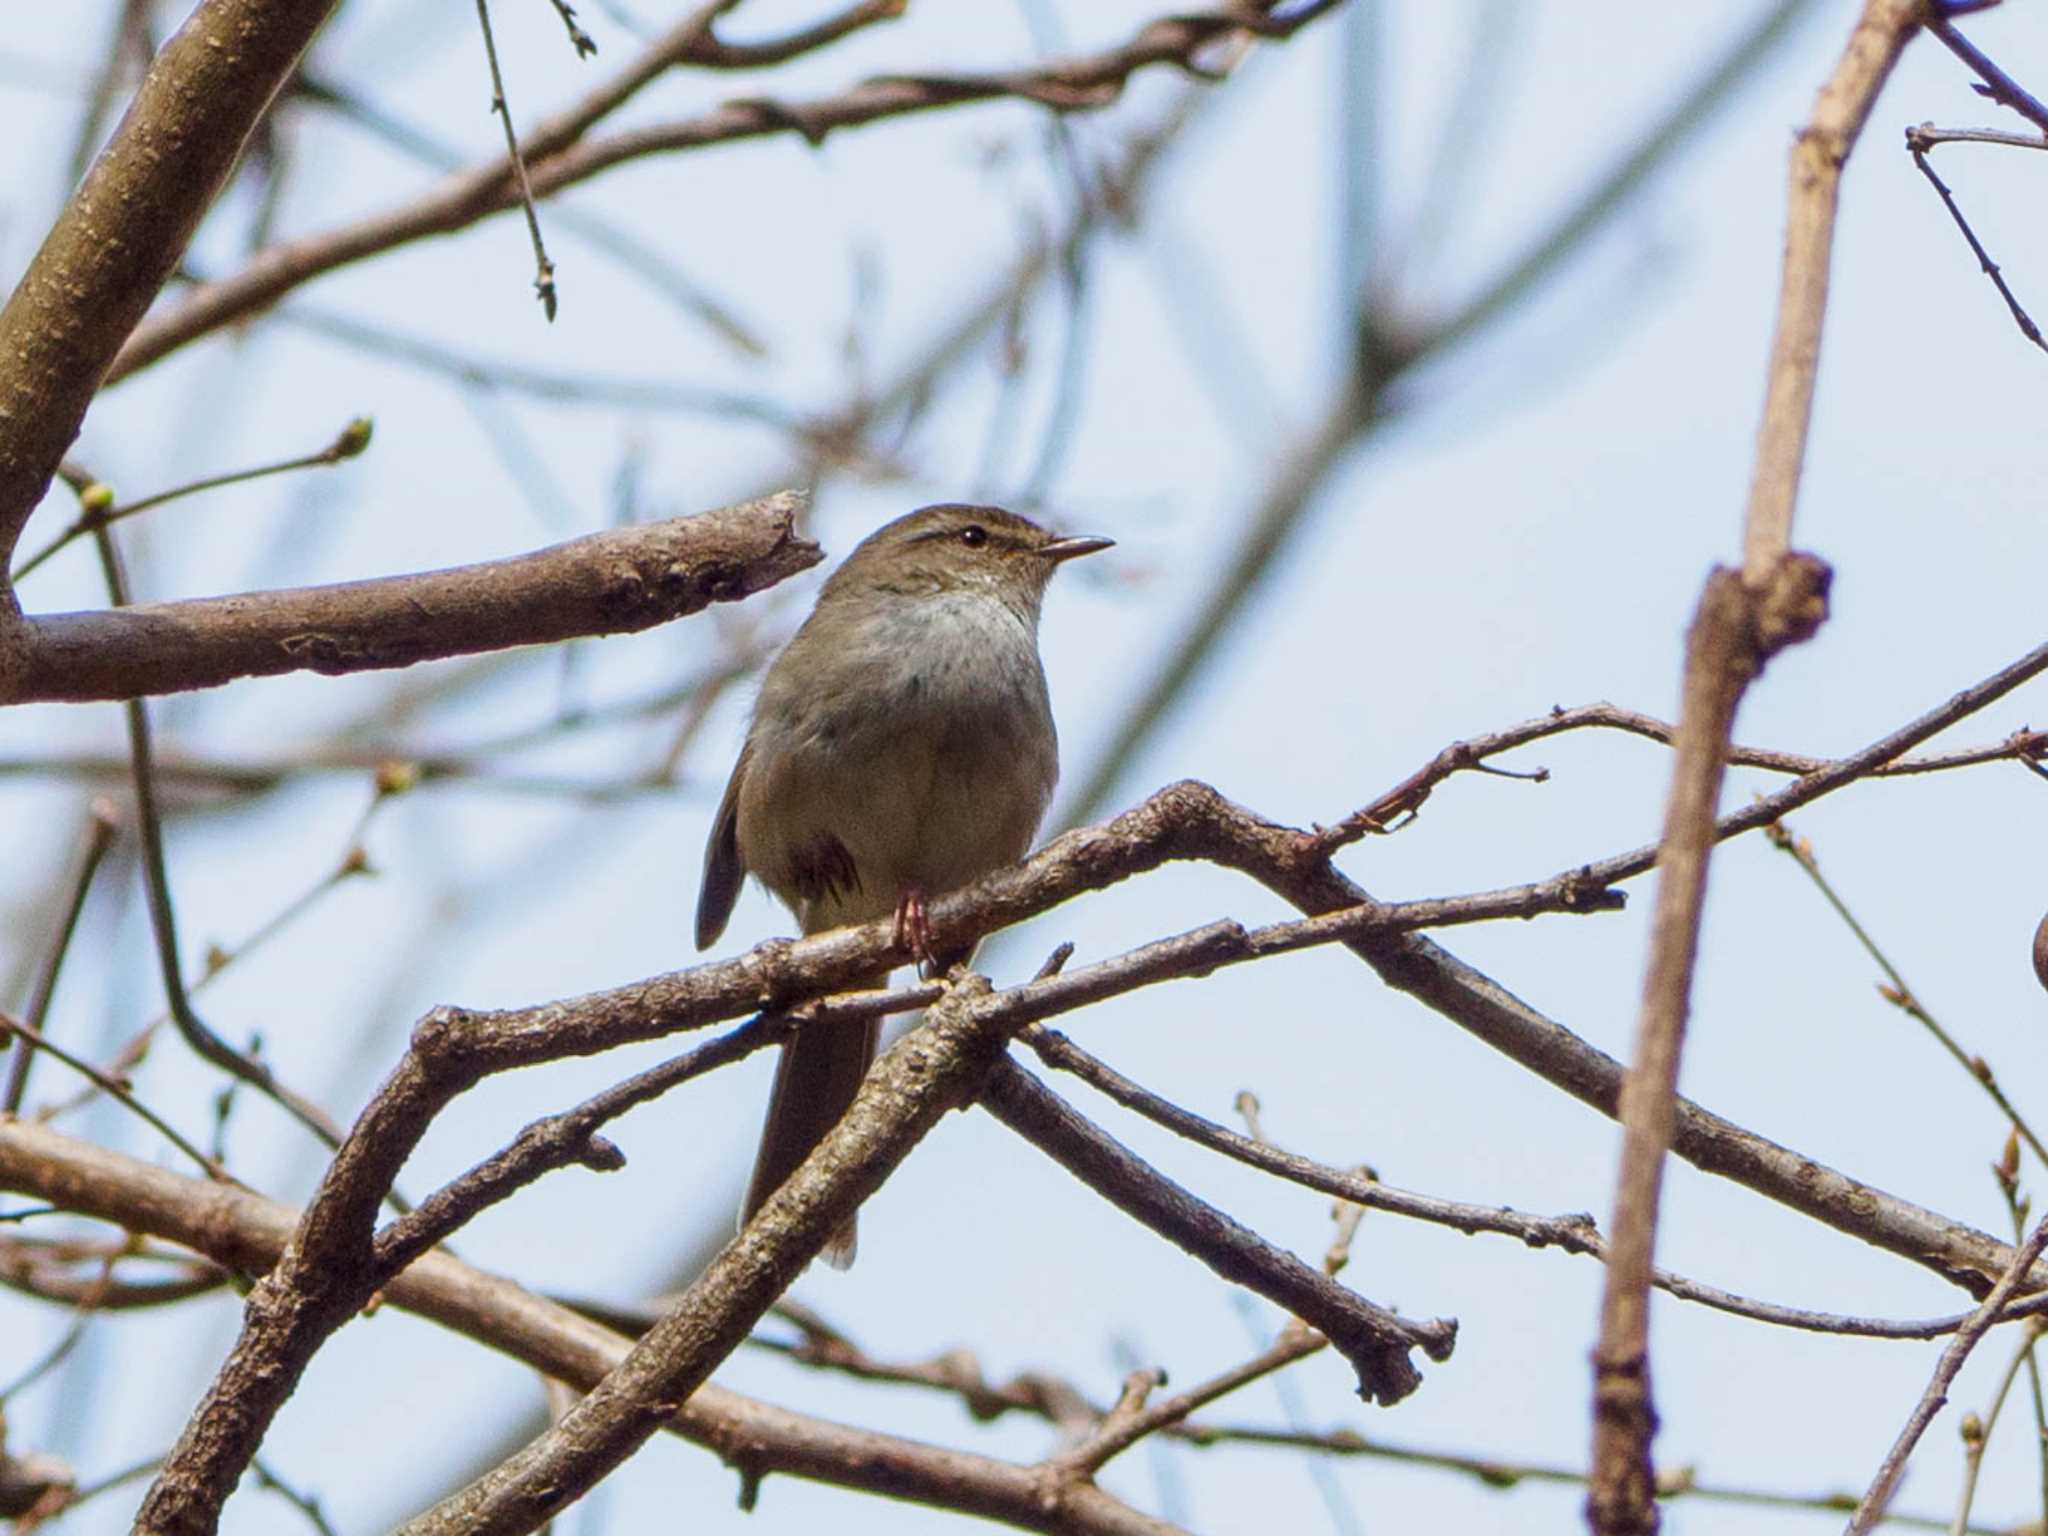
[
  {"x": 1122, "y": 1430},
  {"x": 614, "y": 582},
  {"x": 928, "y": 1071},
  {"x": 245, "y": 1232},
  {"x": 1742, "y": 620},
  {"x": 1474, "y": 754},
  {"x": 1577, "y": 1233},
  {"x": 557, "y": 1142},
  {"x": 1918, "y": 142},
  {"x": 1893, "y": 1467},
  {"x": 1998, "y": 85},
  {"x": 543, "y": 269},
  {"x": 1375, "y": 1341},
  {"x": 558, "y": 156},
  {"x": 29, "y": 1038},
  {"x": 1818, "y": 155},
  {"x": 101, "y": 824},
  {"x": 123, "y": 233}
]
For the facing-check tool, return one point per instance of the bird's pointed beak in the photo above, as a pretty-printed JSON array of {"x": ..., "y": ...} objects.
[{"x": 1075, "y": 546}]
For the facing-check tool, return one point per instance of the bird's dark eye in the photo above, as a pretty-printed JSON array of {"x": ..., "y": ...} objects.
[{"x": 974, "y": 535}]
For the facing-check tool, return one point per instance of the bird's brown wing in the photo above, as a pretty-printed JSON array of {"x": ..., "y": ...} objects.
[{"x": 724, "y": 871}]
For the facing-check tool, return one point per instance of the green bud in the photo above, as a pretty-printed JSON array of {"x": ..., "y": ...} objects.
[{"x": 355, "y": 437}]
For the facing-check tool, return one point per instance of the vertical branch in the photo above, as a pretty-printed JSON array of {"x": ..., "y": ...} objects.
[
  {"x": 1818, "y": 155},
  {"x": 1778, "y": 598},
  {"x": 120, "y": 236},
  {"x": 101, "y": 826}
]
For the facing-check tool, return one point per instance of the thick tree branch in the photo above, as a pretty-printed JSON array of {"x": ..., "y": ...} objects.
[
  {"x": 618, "y": 581},
  {"x": 1375, "y": 1341},
  {"x": 1778, "y": 598},
  {"x": 126, "y": 228},
  {"x": 246, "y": 1233},
  {"x": 330, "y": 1269},
  {"x": 935, "y": 1067}
]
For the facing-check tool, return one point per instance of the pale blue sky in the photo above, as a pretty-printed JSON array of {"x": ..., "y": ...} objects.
[{"x": 1531, "y": 531}]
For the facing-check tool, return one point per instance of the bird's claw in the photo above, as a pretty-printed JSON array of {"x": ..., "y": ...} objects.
[{"x": 914, "y": 930}]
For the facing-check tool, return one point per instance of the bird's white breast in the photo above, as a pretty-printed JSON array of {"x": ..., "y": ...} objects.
[{"x": 920, "y": 739}]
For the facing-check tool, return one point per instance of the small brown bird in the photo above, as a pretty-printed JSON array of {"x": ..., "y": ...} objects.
[{"x": 901, "y": 746}]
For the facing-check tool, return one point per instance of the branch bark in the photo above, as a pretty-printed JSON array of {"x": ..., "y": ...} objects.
[
  {"x": 617, "y": 581},
  {"x": 1778, "y": 598},
  {"x": 123, "y": 232},
  {"x": 1374, "y": 1340},
  {"x": 247, "y": 1233},
  {"x": 328, "y": 1271},
  {"x": 936, "y": 1067},
  {"x": 559, "y": 155}
]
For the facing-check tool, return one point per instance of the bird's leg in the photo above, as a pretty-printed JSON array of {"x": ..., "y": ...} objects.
[{"x": 914, "y": 928}]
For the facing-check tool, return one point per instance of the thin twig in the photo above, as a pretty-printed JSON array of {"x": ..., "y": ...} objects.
[
  {"x": 1574, "y": 1234},
  {"x": 1899, "y": 994},
  {"x": 305, "y": 1503},
  {"x": 136, "y": 1048},
  {"x": 632, "y": 251},
  {"x": 1474, "y": 754},
  {"x": 115, "y": 1088},
  {"x": 1917, "y": 147},
  {"x": 585, "y": 44},
  {"x": 2007, "y": 1170},
  {"x": 1893, "y": 1467},
  {"x": 543, "y": 269},
  {"x": 560, "y": 156},
  {"x": 101, "y": 826},
  {"x": 1976, "y": 1432},
  {"x": 556, "y": 1142},
  {"x": 1119, "y": 1433},
  {"x": 99, "y": 509},
  {"x": 163, "y": 921},
  {"x": 1998, "y": 85}
]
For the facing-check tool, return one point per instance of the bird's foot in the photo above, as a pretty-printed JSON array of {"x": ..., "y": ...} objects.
[{"x": 914, "y": 929}]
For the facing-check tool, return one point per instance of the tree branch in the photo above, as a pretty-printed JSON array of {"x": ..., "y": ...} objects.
[
  {"x": 125, "y": 229},
  {"x": 928, "y": 1071},
  {"x": 329, "y": 1270},
  {"x": 558, "y": 156},
  {"x": 1576, "y": 1233},
  {"x": 1375, "y": 1341},
  {"x": 244, "y": 1232},
  {"x": 1886, "y": 1481},
  {"x": 1743, "y": 619},
  {"x": 617, "y": 581}
]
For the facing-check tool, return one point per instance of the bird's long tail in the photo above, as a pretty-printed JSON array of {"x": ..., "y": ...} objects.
[{"x": 820, "y": 1072}]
